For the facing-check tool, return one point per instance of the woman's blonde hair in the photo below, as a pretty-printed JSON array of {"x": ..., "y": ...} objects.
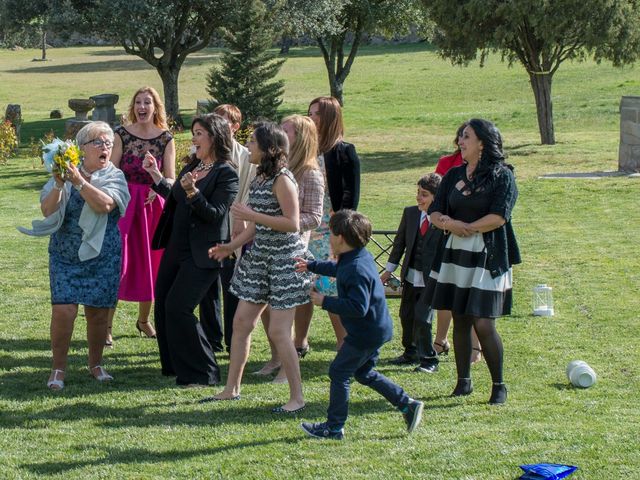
[
  {"x": 331, "y": 127},
  {"x": 159, "y": 113},
  {"x": 303, "y": 153}
]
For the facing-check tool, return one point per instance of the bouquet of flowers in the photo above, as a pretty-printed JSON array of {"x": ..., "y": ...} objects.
[{"x": 59, "y": 154}]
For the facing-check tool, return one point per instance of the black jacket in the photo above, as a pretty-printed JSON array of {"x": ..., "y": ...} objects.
[
  {"x": 342, "y": 166},
  {"x": 209, "y": 212}
]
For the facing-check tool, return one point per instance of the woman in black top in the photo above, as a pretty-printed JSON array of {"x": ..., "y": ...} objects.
[
  {"x": 474, "y": 204},
  {"x": 195, "y": 216},
  {"x": 340, "y": 164}
]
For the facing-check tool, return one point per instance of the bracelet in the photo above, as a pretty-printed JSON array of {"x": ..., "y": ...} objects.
[
  {"x": 193, "y": 193},
  {"x": 80, "y": 186}
]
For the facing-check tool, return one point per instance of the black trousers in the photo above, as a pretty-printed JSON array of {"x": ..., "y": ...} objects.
[
  {"x": 213, "y": 315},
  {"x": 184, "y": 348},
  {"x": 416, "y": 317}
]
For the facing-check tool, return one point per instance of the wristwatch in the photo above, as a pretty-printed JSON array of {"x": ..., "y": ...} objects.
[{"x": 80, "y": 186}]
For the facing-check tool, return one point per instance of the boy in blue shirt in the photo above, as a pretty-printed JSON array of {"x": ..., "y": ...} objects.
[{"x": 363, "y": 311}]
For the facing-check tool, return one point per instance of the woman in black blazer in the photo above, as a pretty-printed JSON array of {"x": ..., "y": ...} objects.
[
  {"x": 341, "y": 166},
  {"x": 195, "y": 216}
]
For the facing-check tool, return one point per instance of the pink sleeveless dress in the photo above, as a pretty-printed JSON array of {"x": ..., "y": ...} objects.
[{"x": 139, "y": 262}]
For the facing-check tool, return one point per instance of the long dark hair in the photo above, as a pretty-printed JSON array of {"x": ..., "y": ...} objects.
[
  {"x": 492, "y": 157},
  {"x": 218, "y": 129},
  {"x": 274, "y": 145}
]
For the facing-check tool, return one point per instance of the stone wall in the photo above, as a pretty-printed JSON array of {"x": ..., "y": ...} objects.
[{"x": 629, "y": 154}]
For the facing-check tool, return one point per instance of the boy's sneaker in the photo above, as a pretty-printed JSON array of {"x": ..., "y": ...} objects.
[
  {"x": 321, "y": 430},
  {"x": 413, "y": 415}
]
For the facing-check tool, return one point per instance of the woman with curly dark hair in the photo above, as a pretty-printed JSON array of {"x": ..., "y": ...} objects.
[
  {"x": 266, "y": 274},
  {"x": 473, "y": 206}
]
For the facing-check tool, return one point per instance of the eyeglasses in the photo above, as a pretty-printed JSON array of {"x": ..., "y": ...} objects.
[{"x": 98, "y": 143}]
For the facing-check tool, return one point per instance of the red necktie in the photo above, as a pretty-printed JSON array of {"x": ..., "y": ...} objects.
[{"x": 424, "y": 225}]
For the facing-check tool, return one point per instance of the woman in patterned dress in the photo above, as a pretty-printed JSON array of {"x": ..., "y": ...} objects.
[
  {"x": 146, "y": 134},
  {"x": 303, "y": 163},
  {"x": 82, "y": 211},
  {"x": 266, "y": 274}
]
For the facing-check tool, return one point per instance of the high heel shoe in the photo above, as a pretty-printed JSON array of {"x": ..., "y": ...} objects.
[
  {"x": 267, "y": 370},
  {"x": 148, "y": 331},
  {"x": 54, "y": 383},
  {"x": 109, "y": 340},
  {"x": 479, "y": 357},
  {"x": 302, "y": 351},
  {"x": 444, "y": 348},
  {"x": 463, "y": 388}
]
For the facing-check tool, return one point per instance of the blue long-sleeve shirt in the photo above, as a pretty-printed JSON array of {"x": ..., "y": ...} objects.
[{"x": 360, "y": 302}]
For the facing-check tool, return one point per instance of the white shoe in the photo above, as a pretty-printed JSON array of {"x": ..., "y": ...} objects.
[
  {"x": 102, "y": 375},
  {"x": 56, "y": 384}
]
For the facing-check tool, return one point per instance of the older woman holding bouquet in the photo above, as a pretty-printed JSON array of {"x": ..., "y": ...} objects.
[{"x": 82, "y": 206}]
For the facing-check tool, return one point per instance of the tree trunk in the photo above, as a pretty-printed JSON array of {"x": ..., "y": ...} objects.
[
  {"x": 336, "y": 90},
  {"x": 541, "y": 84},
  {"x": 169, "y": 78},
  {"x": 44, "y": 42},
  {"x": 286, "y": 44}
]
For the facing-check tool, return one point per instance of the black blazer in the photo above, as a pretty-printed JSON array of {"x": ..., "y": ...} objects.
[
  {"x": 209, "y": 212},
  {"x": 342, "y": 166},
  {"x": 405, "y": 239}
]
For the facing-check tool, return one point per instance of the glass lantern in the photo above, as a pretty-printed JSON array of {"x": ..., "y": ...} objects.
[{"x": 542, "y": 301}]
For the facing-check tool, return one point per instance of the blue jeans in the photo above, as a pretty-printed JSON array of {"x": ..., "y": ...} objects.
[{"x": 359, "y": 364}]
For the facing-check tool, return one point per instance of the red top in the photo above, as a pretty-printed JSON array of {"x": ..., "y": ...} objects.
[{"x": 447, "y": 162}]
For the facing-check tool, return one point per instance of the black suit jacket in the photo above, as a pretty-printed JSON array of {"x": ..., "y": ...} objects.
[
  {"x": 209, "y": 212},
  {"x": 342, "y": 166},
  {"x": 405, "y": 239}
]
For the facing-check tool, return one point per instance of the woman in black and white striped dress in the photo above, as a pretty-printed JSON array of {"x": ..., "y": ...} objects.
[
  {"x": 266, "y": 274},
  {"x": 474, "y": 204}
]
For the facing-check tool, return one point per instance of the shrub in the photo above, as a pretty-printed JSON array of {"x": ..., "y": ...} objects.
[{"x": 8, "y": 141}]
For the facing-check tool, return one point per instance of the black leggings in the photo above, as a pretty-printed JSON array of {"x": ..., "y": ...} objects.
[{"x": 489, "y": 339}]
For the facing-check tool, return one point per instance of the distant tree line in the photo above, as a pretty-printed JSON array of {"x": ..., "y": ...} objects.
[{"x": 540, "y": 35}]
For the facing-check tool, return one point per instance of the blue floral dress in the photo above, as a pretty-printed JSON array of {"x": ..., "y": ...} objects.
[
  {"x": 319, "y": 245},
  {"x": 93, "y": 282}
]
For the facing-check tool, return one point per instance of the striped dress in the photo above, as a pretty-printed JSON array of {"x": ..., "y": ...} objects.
[
  {"x": 463, "y": 282},
  {"x": 266, "y": 273}
]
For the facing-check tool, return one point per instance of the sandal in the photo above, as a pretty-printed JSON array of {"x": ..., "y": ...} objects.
[
  {"x": 56, "y": 384},
  {"x": 444, "y": 348},
  {"x": 102, "y": 375}
]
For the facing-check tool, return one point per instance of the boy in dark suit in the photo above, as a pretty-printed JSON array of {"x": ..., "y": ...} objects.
[
  {"x": 364, "y": 314},
  {"x": 408, "y": 242}
]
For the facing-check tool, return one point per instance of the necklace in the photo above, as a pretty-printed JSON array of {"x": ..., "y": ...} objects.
[
  {"x": 203, "y": 167},
  {"x": 84, "y": 171}
]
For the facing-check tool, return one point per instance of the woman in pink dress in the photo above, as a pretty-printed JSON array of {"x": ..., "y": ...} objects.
[{"x": 147, "y": 133}]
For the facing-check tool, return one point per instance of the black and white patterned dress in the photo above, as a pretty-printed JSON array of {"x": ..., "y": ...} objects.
[
  {"x": 266, "y": 273},
  {"x": 464, "y": 281}
]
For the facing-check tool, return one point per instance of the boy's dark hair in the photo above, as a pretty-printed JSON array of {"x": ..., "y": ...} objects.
[
  {"x": 354, "y": 227},
  {"x": 430, "y": 182}
]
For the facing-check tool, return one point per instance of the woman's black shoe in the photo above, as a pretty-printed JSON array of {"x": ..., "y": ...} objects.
[
  {"x": 498, "y": 394},
  {"x": 463, "y": 388}
]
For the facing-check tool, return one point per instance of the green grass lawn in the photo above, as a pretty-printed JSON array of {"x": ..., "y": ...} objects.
[{"x": 403, "y": 104}]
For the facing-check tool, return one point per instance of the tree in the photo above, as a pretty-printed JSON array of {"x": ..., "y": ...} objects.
[
  {"x": 539, "y": 34},
  {"x": 18, "y": 15},
  {"x": 339, "y": 27},
  {"x": 161, "y": 32},
  {"x": 248, "y": 68}
]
